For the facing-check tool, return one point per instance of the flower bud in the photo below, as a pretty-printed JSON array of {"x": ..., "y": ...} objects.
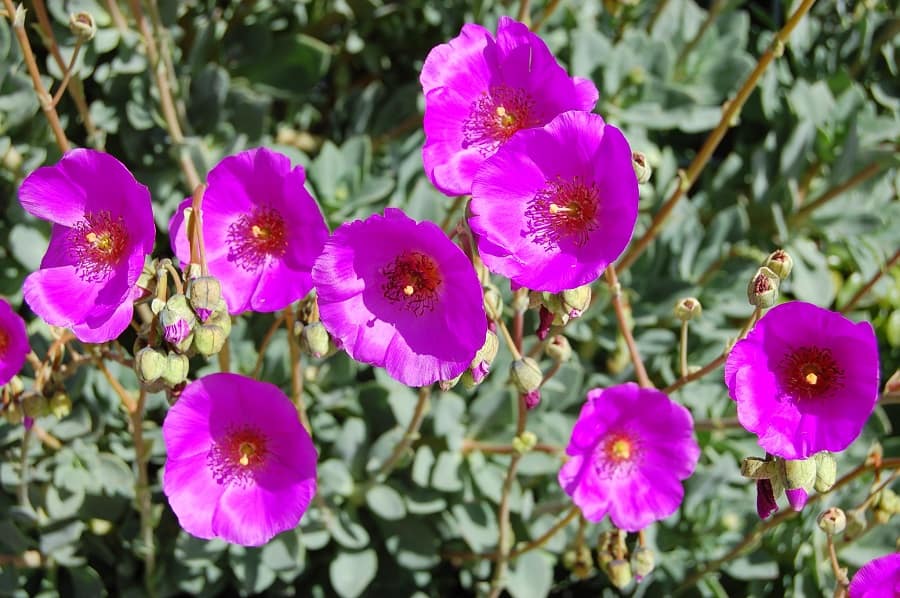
[
  {"x": 879, "y": 515},
  {"x": 12, "y": 160},
  {"x": 204, "y": 293},
  {"x": 832, "y": 521},
  {"x": 12, "y": 413},
  {"x": 82, "y": 26},
  {"x": 545, "y": 317},
  {"x": 641, "y": 168},
  {"x": 481, "y": 364},
  {"x": 559, "y": 349},
  {"x": 856, "y": 524},
  {"x": 799, "y": 473},
  {"x": 532, "y": 399},
  {"x": 889, "y": 501},
  {"x": 493, "y": 303},
  {"x": 524, "y": 442},
  {"x": 209, "y": 339},
  {"x": 520, "y": 300},
  {"x": 177, "y": 320},
  {"x": 763, "y": 288},
  {"x": 526, "y": 375},
  {"x": 582, "y": 565},
  {"x": 447, "y": 385},
  {"x": 765, "y": 498},
  {"x": 149, "y": 364},
  {"x": 780, "y": 262},
  {"x": 574, "y": 302},
  {"x": 687, "y": 309},
  {"x": 35, "y": 405},
  {"x": 826, "y": 471},
  {"x": 619, "y": 572},
  {"x": 15, "y": 386},
  {"x": 60, "y": 404},
  {"x": 314, "y": 340},
  {"x": 643, "y": 561},
  {"x": 797, "y": 498},
  {"x": 176, "y": 369}
]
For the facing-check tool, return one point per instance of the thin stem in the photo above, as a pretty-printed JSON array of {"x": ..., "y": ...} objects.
[
  {"x": 840, "y": 574},
  {"x": 409, "y": 436},
  {"x": 682, "y": 348},
  {"x": 46, "y": 102},
  {"x": 296, "y": 368},
  {"x": 195, "y": 230},
  {"x": 112, "y": 7},
  {"x": 518, "y": 331},
  {"x": 68, "y": 72},
  {"x": 711, "y": 16},
  {"x": 24, "y": 499},
  {"x": 127, "y": 400},
  {"x": 861, "y": 176},
  {"x": 143, "y": 497},
  {"x": 729, "y": 113},
  {"x": 270, "y": 334},
  {"x": 469, "y": 446},
  {"x": 449, "y": 219},
  {"x": 549, "y": 9},
  {"x": 524, "y": 14},
  {"x": 717, "y": 424},
  {"x": 654, "y": 16},
  {"x": 510, "y": 343},
  {"x": 862, "y": 292},
  {"x": 639, "y": 370}
]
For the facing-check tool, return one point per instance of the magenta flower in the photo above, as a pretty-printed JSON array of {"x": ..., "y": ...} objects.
[
  {"x": 102, "y": 231},
  {"x": 13, "y": 342},
  {"x": 556, "y": 205},
  {"x": 400, "y": 295},
  {"x": 479, "y": 91},
  {"x": 240, "y": 465},
  {"x": 630, "y": 449},
  {"x": 805, "y": 380},
  {"x": 879, "y": 578},
  {"x": 262, "y": 231}
]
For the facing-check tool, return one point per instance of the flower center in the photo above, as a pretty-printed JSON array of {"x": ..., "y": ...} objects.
[
  {"x": 98, "y": 243},
  {"x": 237, "y": 455},
  {"x": 563, "y": 210},
  {"x": 414, "y": 280},
  {"x": 810, "y": 372},
  {"x": 4, "y": 342},
  {"x": 617, "y": 456},
  {"x": 496, "y": 116},
  {"x": 255, "y": 237}
]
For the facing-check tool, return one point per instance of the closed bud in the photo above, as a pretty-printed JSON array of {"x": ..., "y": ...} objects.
[
  {"x": 176, "y": 370},
  {"x": 12, "y": 160},
  {"x": 799, "y": 473},
  {"x": 481, "y": 364},
  {"x": 889, "y": 501},
  {"x": 493, "y": 303},
  {"x": 880, "y": 516},
  {"x": 532, "y": 399},
  {"x": 643, "y": 561},
  {"x": 524, "y": 442},
  {"x": 604, "y": 557},
  {"x": 762, "y": 291},
  {"x": 526, "y": 375},
  {"x": 780, "y": 262},
  {"x": 856, "y": 524},
  {"x": 826, "y": 471},
  {"x": 559, "y": 349},
  {"x": 82, "y": 26},
  {"x": 209, "y": 339},
  {"x": 520, "y": 300},
  {"x": 484, "y": 275},
  {"x": 204, "y": 293},
  {"x": 60, "y": 404},
  {"x": 619, "y": 572},
  {"x": 220, "y": 317},
  {"x": 149, "y": 364},
  {"x": 314, "y": 340},
  {"x": 35, "y": 405},
  {"x": 832, "y": 521},
  {"x": 574, "y": 302},
  {"x": 12, "y": 413},
  {"x": 177, "y": 320},
  {"x": 583, "y": 565},
  {"x": 641, "y": 168},
  {"x": 687, "y": 309}
]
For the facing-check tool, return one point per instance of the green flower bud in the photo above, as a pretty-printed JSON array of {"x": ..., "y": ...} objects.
[
  {"x": 757, "y": 469},
  {"x": 209, "y": 339},
  {"x": 583, "y": 566},
  {"x": 204, "y": 293},
  {"x": 12, "y": 160},
  {"x": 484, "y": 275},
  {"x": 82, "y": 26},
  {"x": 880, "y": 516},
  {"x": 856, "y": 524},
  {"x": 641, "y": 168},
  {"x": 314, "y": 340},
  {"x": 889, "y": 501},
  {"x": 13, "y": 413},
  {"x": 35, "y": 405},
  {"x": 520, "y": 300},
  {"x": 687, "y": 309},
  {"x": 780, "y": 262},
  {"x": 525, "y": 374},
  {"x": 60, "y": 404},
  {"x": 619, "y": 572},
  {"x": 832, "y": 521},
  {"x": 604, "y": 557},
  {"x": 799, "y": 473},
  {"x": 763, "y": 288},
  {"x": 524, "y": 442},
  {"x": 149, "y": 364},
  {"x": 493, "y": 303},
  {"x": 220, "y": 317},
  {"x": 826, "y": 471},
  {"x": 643, "y": 561},
  {"x": 559, "y": 349},
  {"x": 176, "y": 370},
  {"x": 15, "y": 386},
  {"x": 177, "y": 320},
  {"x": 574, "y": 302}
]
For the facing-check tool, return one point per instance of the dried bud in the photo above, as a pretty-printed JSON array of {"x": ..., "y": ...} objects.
[
  {"x": 493, "y": 303},
  {"x": 763, "y": 288},
  {"x": 643, "y": 561},
  {"x": 35, "y": 405},
  {"x": 641, "y": 168},
  {"x": 447, "y": 385},
  {"x": 177, "y": 320},
  {"x": 765, "y": 498},
  {"x": 619, "y": 572},
  {"x": 481, "y": 364},
  {"x": 149, "y": 364},
  {"x": 546, "y": 318},
  {"x": 82, "y": 26},
  {"x": 314, "y": 340},
  {"x": 526, "y": 375},
  {"x": 209, "y": 339},
  {"x": 780, "y": 262},
  {"x": 559, "y": 349},
  {"x": 687, "y": 309},
  {"x": 60, "y": 404},
  {"x": 574, "y": 302},
  {"x": 826, "y": 471},
  {"x": 832, "y": 521},
  {"x": 176, "y": 369},
  {"x": 204, "y": 293}
]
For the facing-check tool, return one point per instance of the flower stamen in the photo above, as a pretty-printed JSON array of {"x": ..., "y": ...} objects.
[
  {"x": 618, "y": 455},
  {"x": 414, "y": 280},
  {"x": 563, "y": 210},
  {"x": 497, "y": 115},
  {"x": 97, "y": 244},
  {"x": 809, "y": 372},
  {"x": 255, "y": 237},
  {"x": 237, "y": 455}
]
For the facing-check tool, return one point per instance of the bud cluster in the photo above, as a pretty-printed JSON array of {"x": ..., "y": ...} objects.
[
  {"x": 795, "y": 478},
  {"x": 762, "y": 292}
]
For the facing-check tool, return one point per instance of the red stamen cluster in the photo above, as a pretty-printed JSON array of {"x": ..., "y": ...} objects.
[
  {"x": 810, "y": 372},
  {"x": 563, "y": 210},
  {"x": 98, "y": 243},
  {"x": 496, "y": 116},
  {"x": 237, "y": 455},
  {"x": 414, "y": 280},
  {"x": 256, "y": 236}
]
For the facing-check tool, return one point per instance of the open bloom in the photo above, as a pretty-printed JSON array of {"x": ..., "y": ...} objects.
[
  {"x": 102, "y": 231},
  {"x": 630, "y": 449},
  {"x": 879, "y": 578},
  {"x": 13, "y": 342},
  {"x": 399, "y": 294},
  {"x": 262, "y": 230},
  {"x": 480, "y": 90},
  {"x": 240, "y": 466},
  {"x": 805, "y": 379},
  {"x": 556, "y": 205}
]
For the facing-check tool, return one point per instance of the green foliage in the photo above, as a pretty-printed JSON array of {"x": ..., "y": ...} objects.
[{"x": 333, "y": 84}]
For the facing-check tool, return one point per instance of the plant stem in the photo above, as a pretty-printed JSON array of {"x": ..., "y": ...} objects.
[
  {"x": 682, "y": 348},
  {"x": 296, "y": 368},
  {"x": 412, "y": 432},
  {"x": 711, "y": 15},
  {"x": 142, "y": 491},
  {"x": 470, "y": 446},
  {"x": 640, "y": 372},
  {"x": 730, "y": 112},
  {"x": 67, "y": 74},
  {"x": 836, "y": 191},
  {"x": 270, "y": 333},
  {"x": 24, "y": 499},
  {"x": 862, "y": 292},
  {"x": 549, "y": 9}
]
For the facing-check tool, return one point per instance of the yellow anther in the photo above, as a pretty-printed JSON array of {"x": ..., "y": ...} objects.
[
  {"x": 811, "y": 379},
  {"x": 621, "y": 449},
  {"x": 408, "y": 290},
  {"x": 247, "y": 450}
]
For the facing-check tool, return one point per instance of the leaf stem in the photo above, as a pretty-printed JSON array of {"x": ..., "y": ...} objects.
[
  {"x": 639, "y": 370},
  {"x": 862, "y": 292},
  {"x": 296, "y": 358},
  {"x": 411, "y": 434}
]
